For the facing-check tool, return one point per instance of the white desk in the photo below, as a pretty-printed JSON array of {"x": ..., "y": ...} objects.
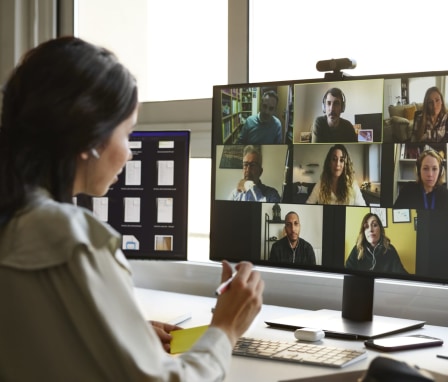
[{"x": 162, "y": 306}]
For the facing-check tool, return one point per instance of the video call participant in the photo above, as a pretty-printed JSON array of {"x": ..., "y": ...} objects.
[
  {"x": 68, "y": 306},
  {"x": 427, "y": 192},
  {"x": 373, "y": 250},
  {"x": 264, "y": 127},
  {"x": 337, "y": 184},
  {"x": 250, "y": 188},
  {"x": 430, "y": 124},
  {"x": 331, "y": 128},
  {"x": 292, "y": 248}
]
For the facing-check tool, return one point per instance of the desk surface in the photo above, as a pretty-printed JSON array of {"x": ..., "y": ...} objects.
[{"x": 163, "y": 306}]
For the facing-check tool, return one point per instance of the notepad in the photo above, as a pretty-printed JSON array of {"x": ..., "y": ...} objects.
[{"x": 184, "y": 339}]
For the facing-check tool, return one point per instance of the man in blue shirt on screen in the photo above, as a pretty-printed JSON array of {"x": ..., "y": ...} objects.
[{"x": 264, "y": 127}]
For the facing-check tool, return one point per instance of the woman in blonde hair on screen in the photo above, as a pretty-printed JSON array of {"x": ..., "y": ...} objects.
[
  {"x": 430, "y": 124},
  {"x": 428, "y": 192}
]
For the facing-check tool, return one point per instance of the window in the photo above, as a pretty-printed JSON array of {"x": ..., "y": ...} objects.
[
  {"x": 177, "y": 49},
  {"x": 199, "y": 209},
  {"x": 288, "y": 37}
]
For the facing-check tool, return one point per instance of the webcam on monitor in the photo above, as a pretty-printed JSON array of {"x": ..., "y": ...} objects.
[{"x": 334, "y": 66}]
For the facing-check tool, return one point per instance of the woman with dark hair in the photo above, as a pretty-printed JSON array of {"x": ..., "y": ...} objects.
[
  {"x": 337, "y": 184},
  {"x": 68, "y": 310},
  {"x": 373, "y": 250},
  {"x": 430, "y": 124},
  {"x": 428, "y": 192}
]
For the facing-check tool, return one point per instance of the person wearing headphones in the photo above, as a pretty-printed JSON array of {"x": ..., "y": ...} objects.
[
  {"x": 427, "y": 192},
  {"x": 373, "y": 250},
  {"x": 264, "y": 127},
  {"x": 331, "y": 128}
]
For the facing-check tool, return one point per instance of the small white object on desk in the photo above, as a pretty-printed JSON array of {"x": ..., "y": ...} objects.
[{"x": 309, "y": 334}]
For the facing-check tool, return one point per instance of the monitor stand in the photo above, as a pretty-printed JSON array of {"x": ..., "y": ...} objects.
[{"x": 356, "y": 320}]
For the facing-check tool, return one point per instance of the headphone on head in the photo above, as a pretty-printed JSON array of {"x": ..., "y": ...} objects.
[{"x": 335, "y": 92}]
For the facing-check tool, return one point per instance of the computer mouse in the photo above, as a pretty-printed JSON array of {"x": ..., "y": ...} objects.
[{"x": 309, "y": 334}]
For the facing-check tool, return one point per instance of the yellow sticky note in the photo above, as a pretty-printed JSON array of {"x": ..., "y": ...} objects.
[{"x": 184, "y": 339}]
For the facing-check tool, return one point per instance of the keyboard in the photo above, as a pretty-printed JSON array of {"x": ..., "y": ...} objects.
[{"x": 298, "y": 352}]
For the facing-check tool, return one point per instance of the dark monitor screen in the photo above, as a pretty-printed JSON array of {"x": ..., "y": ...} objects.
[
  {"x": 333, "y": 152},
  {"x": 148, "y": 205}
]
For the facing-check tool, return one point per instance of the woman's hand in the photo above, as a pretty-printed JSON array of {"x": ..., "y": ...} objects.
[
  {"x": 237, "y": 307},
  {"x": 163, "y": 332}
]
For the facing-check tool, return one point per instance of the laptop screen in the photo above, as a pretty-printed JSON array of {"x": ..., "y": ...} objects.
[{"x": 148, "y": 204}]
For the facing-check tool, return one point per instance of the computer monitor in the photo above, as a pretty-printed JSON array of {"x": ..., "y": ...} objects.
[
  {"x": 148, "y": 205},
  {"x": 276, "y": 148}
]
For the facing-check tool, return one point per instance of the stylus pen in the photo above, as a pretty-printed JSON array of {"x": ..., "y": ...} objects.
[{"x": 223, "y": 287}]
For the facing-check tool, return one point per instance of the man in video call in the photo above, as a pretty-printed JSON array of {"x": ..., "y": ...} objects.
[
  {"x": 264, "y": 127},
  {"x": 331, "y": 128},
  {"x": 292, "y": 248},
  {"x": 250, "y": 188}
]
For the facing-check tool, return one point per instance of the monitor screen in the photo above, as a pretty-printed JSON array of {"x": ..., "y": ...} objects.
[
  {"x": 344, "y": 175},
  {"x": 148, "y": 205}
]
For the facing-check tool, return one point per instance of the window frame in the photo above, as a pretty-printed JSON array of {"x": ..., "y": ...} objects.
[{"x": 194, "y": 115}]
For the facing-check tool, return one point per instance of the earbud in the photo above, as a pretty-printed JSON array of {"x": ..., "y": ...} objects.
[{"x": 95, "y": 153}]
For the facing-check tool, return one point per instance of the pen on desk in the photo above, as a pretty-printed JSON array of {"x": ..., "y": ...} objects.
[
  {"x": 222, "y": 288},
  {"x": 444, "y": 356}
]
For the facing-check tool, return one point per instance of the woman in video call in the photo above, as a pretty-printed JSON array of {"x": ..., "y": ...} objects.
[
  {"x": 68, "y": 307},
  {"x": 430, "y": 124},
  {"x": 373, "y": 250},
  {"x": 427, "y": 192},
  {"x": 337, "y": 184}
]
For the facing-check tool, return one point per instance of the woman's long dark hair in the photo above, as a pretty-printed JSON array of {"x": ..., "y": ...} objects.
[
  {"x": 361, "y": 241},
  {"x": 345, "y": 181},
  {"x": 65, "y": 97}
]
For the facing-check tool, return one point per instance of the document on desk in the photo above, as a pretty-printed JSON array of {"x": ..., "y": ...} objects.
[{"x": 184, "y": 339}]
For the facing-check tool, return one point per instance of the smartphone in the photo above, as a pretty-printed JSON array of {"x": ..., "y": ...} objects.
[{"x": 415, "y": 341}]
